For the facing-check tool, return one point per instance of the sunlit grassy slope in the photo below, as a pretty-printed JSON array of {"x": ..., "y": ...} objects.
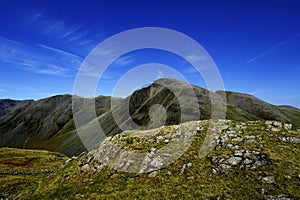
[{"x": 269, "y": 166}]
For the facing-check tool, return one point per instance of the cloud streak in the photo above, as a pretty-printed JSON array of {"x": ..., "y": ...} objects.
[
  {"x": 263, "y": 54},
  {"x": 38, "y": 58}
]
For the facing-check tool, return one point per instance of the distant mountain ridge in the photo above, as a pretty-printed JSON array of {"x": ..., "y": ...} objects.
[
  {"x": 8, "y": 105},
  {"x": 48, "y": 123}
]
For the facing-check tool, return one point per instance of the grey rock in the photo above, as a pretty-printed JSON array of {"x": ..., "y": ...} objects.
[
  {"x": 275, "y": 129},
  {"x": 152, "y": 174},
  {"x": 247, "y": 161},
  {"x": 159, "y": 138},
  {"x": 157, "y": 162},
  {"x": 268, "y": 179},
  {"x": 289, "y": 139},
  {"x": 234, "y": 160},
  {"x": 287, "y": 126},
  {"x": 183, "y": 168},
  {"x": 223, "y": 168},
  {"x": 249, "y": 141},
  {"x": 237, "y": 139},
  {"x": 215, "y": 159},
  {"x": 280, "y": 197},
  {"x": 239, "y": 152},
  {"x": 277, "y": 124}
]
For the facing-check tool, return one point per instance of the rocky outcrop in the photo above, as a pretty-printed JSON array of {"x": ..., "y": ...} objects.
[{"x": 245, "y": 146}]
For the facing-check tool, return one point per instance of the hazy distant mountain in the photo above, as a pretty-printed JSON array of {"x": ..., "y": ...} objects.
[
  {"x": 262, "y": 109},
  {"x": 48, "y": 123},
  {"x": 8, "y": 105}
]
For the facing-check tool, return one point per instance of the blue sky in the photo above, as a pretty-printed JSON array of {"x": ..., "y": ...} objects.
[{"x": 255, "y": 44}]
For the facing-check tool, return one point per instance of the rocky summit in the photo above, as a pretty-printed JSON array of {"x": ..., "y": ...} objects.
[{"x": 220, "y": 159}]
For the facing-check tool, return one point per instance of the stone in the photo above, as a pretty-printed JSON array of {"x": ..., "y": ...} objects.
[
  {"x": 157, "y": 162},
  {"x": 152, "y": 174},
  {"x": 249, "y": 141},
  {"x": 183, "y": 168},
  {"x": 268, "y": 122},
  {"x": 214, "y": 172},
  {"x": 239, "y": 152},
  {"x": 275, "y": 129},
  {"x": 289, "y": 139},
  {"x": 268, "y": 179},
  {"x": 189, "y": 164},
  {"x": 153, "y": 150},
  {"x": 287, "y": 126},
  {"x": 277, "y": 124},
  {"x": 169, "y": 173},
  {"x": 280, "y": 197},
  {"x": 247, "y": 161},
  {"x": 237, "y": 139},
  {"x": 234, "y": 160},
  {"x": 215, "y": 159},
  {"x": 250, "y": 137},
  {"x": 159, "y": 138},
  {"x": 294, "y": 139},
  {"x": 223, "y": 168},
  {"x": 224, "y": 139}
]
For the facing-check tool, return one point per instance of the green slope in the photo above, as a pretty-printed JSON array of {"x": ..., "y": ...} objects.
[{"x": 250, "y": 160}]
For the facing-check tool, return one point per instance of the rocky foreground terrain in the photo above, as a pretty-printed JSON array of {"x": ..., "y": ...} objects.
[{"x": 224, "y": 159}]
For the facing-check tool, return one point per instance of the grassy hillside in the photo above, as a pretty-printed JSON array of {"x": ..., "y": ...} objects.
[
  {"x": 21, "y": 168},
  {"x": 249, "y": 160}
]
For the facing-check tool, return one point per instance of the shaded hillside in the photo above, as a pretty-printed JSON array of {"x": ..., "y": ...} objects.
[
  {"x": 46, "y": 124},
  {"x": 49, "y": 124},
  {"x": 250, "y": 160},
  {"x": 262, "y": 109},
  {"x": 8, "y": 105},
  {"x": 141, "y": 101}
]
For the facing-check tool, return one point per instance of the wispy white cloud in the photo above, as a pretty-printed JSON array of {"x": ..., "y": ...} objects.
[
  {"x": 194, "y": 58},
  {"x": 38, "y": 58},
  {"x": 71, "y": 31},
  {"x": 124, "y": 60},
  {"x": 36, "y": 15},
  {"x": 3, "y": 90},
  {"x": 62, "y": 30},
  {"x": 79, "y": 38},
  {"x": 65, "y": 53},
  {"x": 263, "y": 54}
]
